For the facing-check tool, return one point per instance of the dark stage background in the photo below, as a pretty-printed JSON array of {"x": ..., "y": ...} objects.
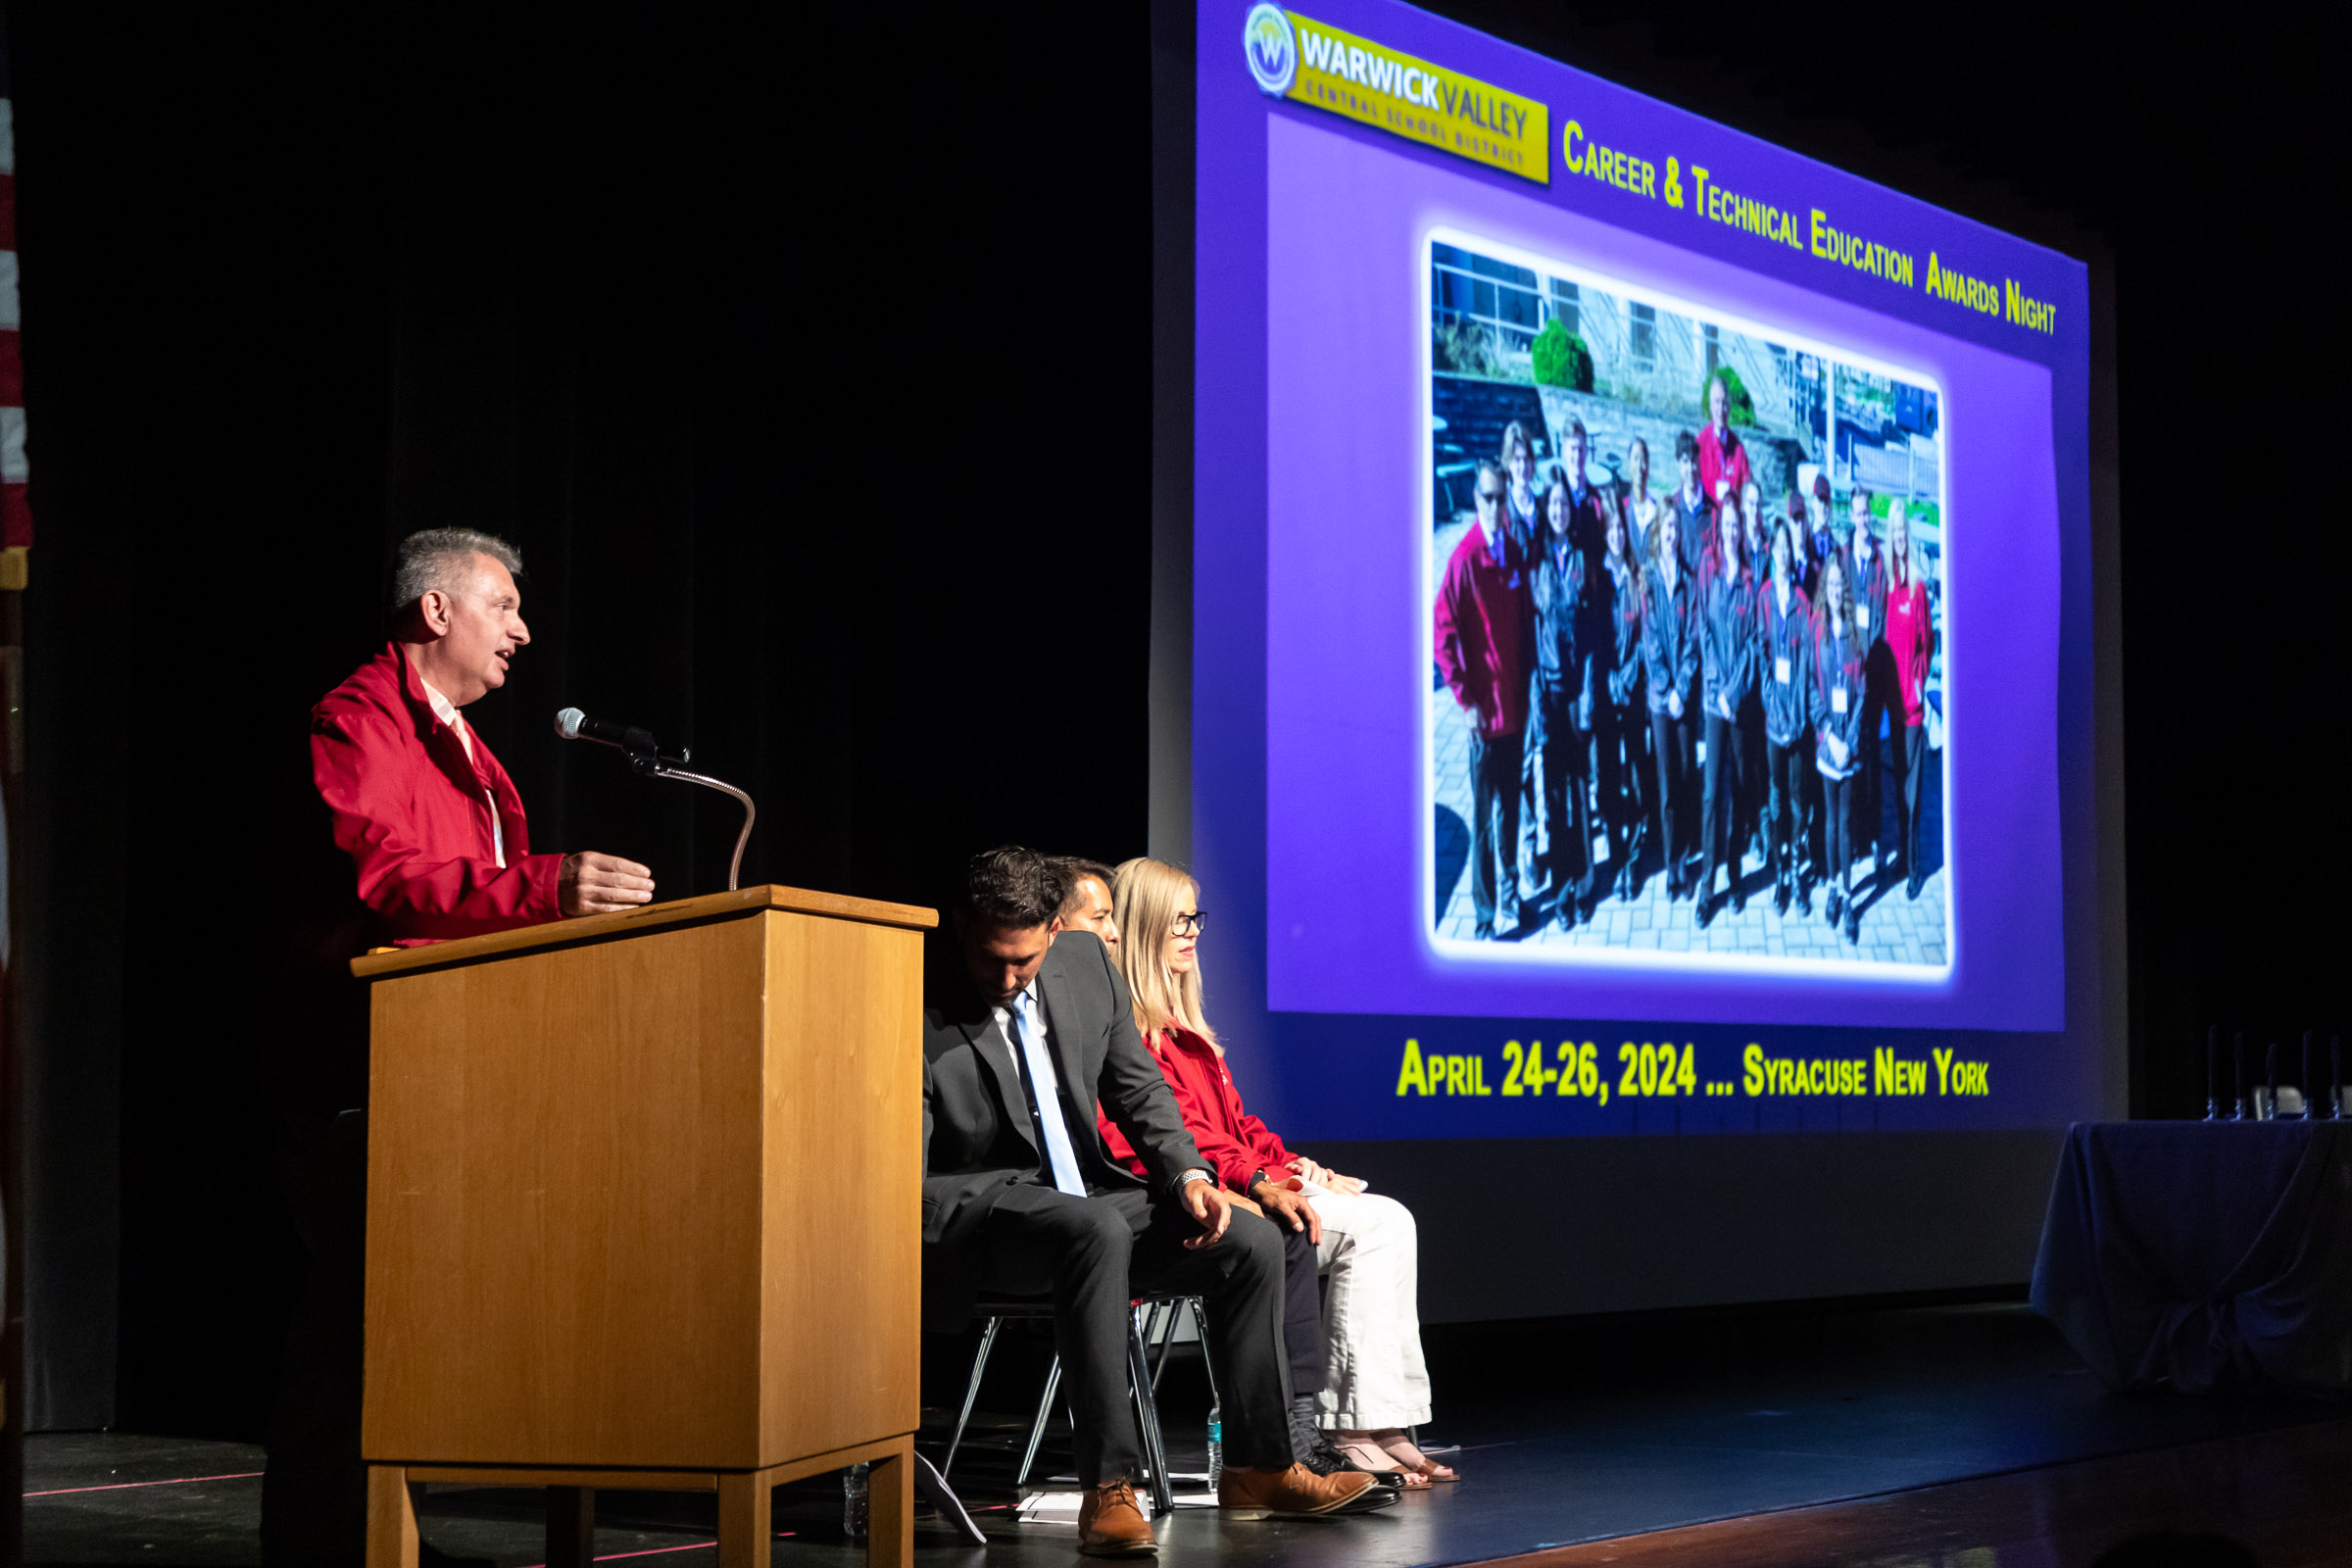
[{"x": 814, "y": 375}]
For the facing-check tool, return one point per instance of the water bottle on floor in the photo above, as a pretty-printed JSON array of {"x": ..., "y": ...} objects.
[
  {"x": 1216, "y": 1443},
  {"x": 852, "y": 1502}
]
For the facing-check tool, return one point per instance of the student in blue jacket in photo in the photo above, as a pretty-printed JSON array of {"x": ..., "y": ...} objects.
[
  {"x": 1728, "y": 654},
  {"x": 1620, "y": 727},
  {"x": 1840, "y": 699},
  {"x": 1669, "y": 659},
  {"x": 1785, "y": 655},
  {"x": 1560, "y": 699}
]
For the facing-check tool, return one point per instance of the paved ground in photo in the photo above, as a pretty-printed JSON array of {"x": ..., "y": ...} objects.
[{"x": 1896, "y": 929}]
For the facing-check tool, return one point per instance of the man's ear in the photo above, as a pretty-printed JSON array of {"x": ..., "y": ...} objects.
[{"x": 432, "y": 609}]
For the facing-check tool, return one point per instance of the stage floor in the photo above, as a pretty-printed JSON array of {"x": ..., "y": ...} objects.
[{"x": 1570, "y": 1433}]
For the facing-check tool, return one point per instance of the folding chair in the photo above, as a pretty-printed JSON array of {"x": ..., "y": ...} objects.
[{"x": 1148, "y": 1317}]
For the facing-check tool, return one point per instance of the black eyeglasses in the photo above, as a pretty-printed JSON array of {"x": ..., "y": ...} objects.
[
  {"x": 1189, "y": 925},
  {"x": 1489, "y": 497}
]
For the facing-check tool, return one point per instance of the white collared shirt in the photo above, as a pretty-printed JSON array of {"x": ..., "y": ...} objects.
[
  {"x": 447, "y": 712},
  {"x": 1048, "y": 1091}
]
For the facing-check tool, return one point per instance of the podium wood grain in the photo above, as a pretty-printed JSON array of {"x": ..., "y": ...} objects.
[{"x": 644, "y": 1196}]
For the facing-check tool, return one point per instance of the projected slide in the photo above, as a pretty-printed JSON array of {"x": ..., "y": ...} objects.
[
  {"x": 1642, "y": 611},
  {"x": 1568, "y": 382}
]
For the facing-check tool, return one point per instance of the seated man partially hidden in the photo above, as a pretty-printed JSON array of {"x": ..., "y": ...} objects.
[{"x": 1020, "y": 1198}]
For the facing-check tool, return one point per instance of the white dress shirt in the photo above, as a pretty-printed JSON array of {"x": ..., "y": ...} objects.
[
  {"x": 447, "y": 712},
  {"x": 1048, "y": 1091}
]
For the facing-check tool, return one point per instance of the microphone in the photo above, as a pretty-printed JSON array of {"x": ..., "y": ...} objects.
[
  {"x": 575, "y": 725},
  {"x": 646, "y": 760}
]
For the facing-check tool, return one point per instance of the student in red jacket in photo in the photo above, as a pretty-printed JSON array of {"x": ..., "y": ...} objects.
[
  {"x": 1911, "y": 640},
  {"x": 1484, "y": 632},
  {"x": 1373, "y": 1383},
  {"x": 440, "y": 847},
  {"x": 1869, "y": 567},
  {"x": 1723, "y": 471}
]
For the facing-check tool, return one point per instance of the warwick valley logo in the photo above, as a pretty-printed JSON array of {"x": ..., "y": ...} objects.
[
  {"x": 1270, "y": 49},
  {"x": 1306, "y": 61}
]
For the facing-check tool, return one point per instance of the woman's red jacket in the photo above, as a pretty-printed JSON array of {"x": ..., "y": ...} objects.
[{"x": 1234, "y": 1143}]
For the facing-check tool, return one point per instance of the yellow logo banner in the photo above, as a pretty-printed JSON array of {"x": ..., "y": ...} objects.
[{"x": 1418, "y": 101}]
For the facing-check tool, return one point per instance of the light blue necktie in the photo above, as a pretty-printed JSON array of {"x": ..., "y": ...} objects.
[{"x": 1060, "y": 1156}]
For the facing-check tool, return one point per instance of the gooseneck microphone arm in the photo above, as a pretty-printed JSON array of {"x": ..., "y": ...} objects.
[
  {"x": 647, "y": 762},
  {"x": 750, "y": 812}
]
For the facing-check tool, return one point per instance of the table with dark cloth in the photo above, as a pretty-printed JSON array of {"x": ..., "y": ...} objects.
[{"x": 2206, "y": 1255}]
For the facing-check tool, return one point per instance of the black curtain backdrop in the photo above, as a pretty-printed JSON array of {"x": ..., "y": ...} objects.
[
  {"x": 811, "y": 370},
  {"x": 824, "y": 436}
]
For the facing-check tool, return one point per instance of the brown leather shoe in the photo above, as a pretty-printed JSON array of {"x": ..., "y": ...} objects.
[
  {"x": 1110, "y": 1525},
  {"x": 1298, "y": 1493}
]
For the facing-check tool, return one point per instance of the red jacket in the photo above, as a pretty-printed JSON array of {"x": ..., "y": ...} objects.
[
  {"x": 1911, "y": 637},
  {"x": 414, "y": 812},
  {"x": 1483, "y": 625},
  {"x": 1712, "y": 467},
  {"x": 1234, "y": 1142}
]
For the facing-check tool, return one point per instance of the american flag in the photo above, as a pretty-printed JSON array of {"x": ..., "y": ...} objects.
[{"x": 16, "y": 516}]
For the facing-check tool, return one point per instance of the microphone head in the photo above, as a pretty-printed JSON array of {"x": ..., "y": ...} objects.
[{"x": 569, "y": 721}]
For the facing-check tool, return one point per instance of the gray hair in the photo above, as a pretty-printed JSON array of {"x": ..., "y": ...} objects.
[{"x": 433, "y": 558}]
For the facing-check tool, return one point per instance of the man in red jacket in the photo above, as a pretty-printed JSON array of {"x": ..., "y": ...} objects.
[
  {"x": 423, "y": 809},
  {"x": 1722, "y": 459},
  {"x": 436, "y": 833},
  {"x": 1482, "y": 636}
]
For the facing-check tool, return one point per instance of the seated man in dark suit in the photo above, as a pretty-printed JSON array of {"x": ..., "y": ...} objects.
[{"x": 1019, "y": 1197}]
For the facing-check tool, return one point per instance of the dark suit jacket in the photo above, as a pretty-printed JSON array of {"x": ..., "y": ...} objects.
[{"x": 977, "y": 1136}]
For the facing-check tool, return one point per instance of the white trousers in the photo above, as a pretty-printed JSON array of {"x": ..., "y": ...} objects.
[{"x": 1374, "y": 1376}]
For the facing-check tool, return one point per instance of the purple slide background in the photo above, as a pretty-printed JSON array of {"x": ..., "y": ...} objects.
[
  {"x": 1347, "y": 665},
  {"x": 1332, "y": 1074}
]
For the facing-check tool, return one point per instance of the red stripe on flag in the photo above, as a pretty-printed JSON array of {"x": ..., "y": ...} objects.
[
  {"x": 12, "y": 370},
  {"x": 16, "y": 516},
  {"x": 7, "y": 212}
]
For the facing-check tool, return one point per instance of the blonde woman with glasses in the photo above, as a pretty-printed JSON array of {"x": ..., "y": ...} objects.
[{"x": 1372, "y": 1384}]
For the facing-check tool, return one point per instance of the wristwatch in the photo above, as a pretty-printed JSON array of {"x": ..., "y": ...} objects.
[{"x": 1257, "y": 1176}]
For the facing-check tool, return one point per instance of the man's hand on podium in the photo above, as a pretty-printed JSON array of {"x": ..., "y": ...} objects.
[{"x": 589, "y": 883}]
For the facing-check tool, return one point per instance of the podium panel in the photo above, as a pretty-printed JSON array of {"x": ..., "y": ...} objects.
[{"x": 644, "y": 1191}]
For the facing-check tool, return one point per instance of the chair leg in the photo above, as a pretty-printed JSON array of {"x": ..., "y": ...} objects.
[
  {"x": 1167, "y": 1342},
  {"x": 1209, "y": 1365},
  {"x": 1148, "y": 1317},
  {"x": 1147, "y": 1418},
  {"x": 1037, "y": 1428},
  {"x": 988, "y": 1341}
]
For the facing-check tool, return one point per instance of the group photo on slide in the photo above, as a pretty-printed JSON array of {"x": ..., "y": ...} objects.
[{"x": 1686, "y": 607}]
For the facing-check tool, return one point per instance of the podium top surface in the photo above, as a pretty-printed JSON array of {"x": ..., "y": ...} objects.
[{"x": 604, "y": 927}]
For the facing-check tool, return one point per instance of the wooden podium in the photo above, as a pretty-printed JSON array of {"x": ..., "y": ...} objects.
[{"x": 644, "y": 1210}]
